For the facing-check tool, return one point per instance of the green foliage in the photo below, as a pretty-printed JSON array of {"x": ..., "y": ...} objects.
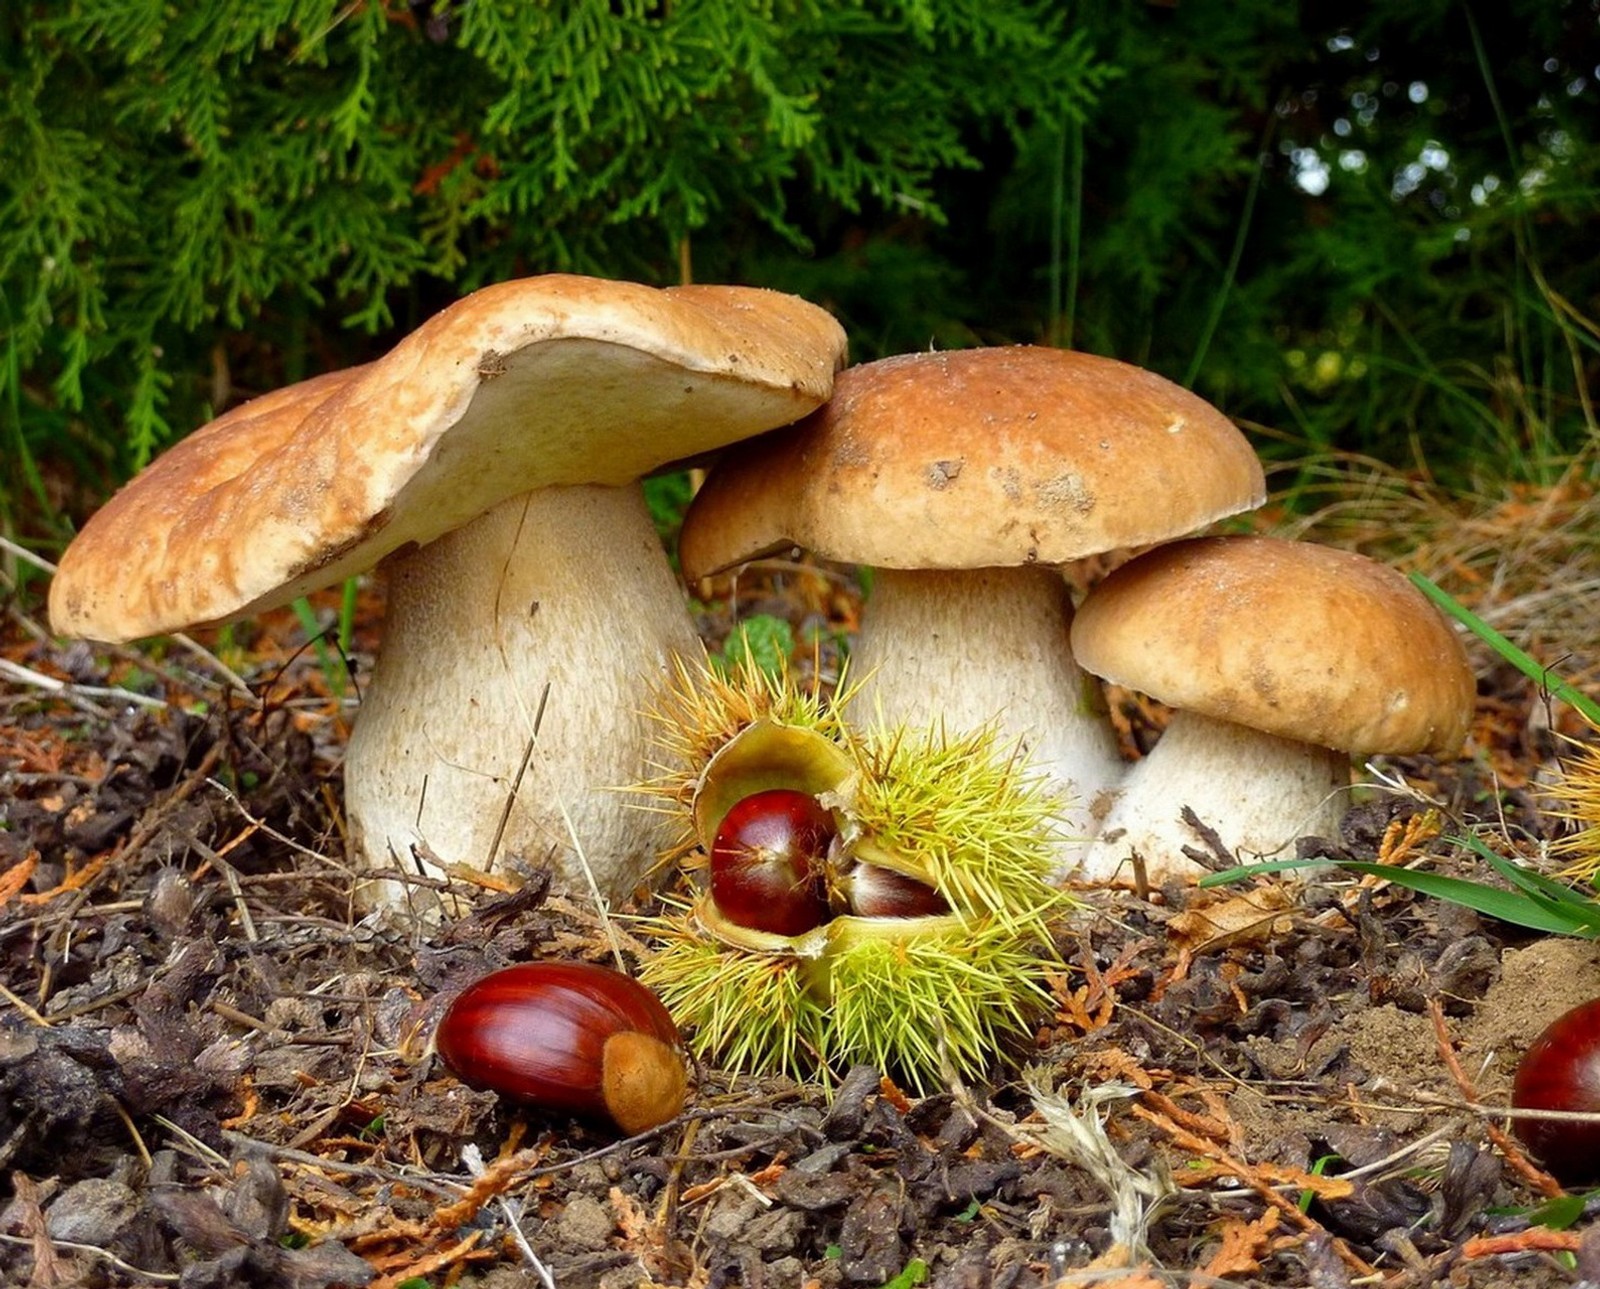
[
  {"x": 1355, "y": 226},
  {"x": 668, "y": 496},
  {"x": 204, "y": 200},
  {"x": 914, "y": 1273},
  {"x": 1369, "y": 228},
  {"x": 1534, "y": 901},
  {"x": 330, "y": 657},
  {"x": 762, "y": 642}
]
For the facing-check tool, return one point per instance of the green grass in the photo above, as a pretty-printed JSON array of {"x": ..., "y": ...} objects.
[{"x": 331, "y": 644}]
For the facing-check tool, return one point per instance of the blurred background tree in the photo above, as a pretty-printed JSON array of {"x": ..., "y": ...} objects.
[{"x": 1361, "y": 229}]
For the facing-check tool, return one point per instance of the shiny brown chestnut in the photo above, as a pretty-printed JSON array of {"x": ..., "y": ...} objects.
[
  {"x": 1561, "y": 1071},
  {"x": 767, "y": 859},
  {"x": 872, "y": 891},
  {"x": 568, "y": 1036}
]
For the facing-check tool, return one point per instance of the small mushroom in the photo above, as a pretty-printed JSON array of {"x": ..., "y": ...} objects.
[
  {"x": 966, "y": 480},
  {"x": 490, "y": 461},
  {"x": 1281, "y": 659}
]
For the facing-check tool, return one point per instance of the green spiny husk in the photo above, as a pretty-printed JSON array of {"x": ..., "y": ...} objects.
[
  {"x": 965, "y": 815},
  {"x": 933, "y": 1003},
  {"x": 701, "y": 710},
  {"x": 922, "y": 998},
  {"x": 750, "y": 1011}
]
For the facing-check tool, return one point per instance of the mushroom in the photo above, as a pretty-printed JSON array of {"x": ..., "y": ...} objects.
[
  {"x": 491, "y": 461},
  {"x": 965, "y": 480},
  {"x": 1281, "y": 659}
]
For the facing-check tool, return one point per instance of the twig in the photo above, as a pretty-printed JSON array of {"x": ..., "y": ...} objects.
[
  {"x": 1367, "y": 1170},
  {"x": 71, "y": 691},
  {"x": 434, "y": 1182},
  {"x": 164, "y": 1277},
  {"x": 516, "y": 782},
  {"x": 473, "y": 1159},
  {"x": 429, "y": 1263},
  {"x": 23, "y": 1006},
  {"x": 244, "y": 1018},
  {"x": 230, "y": 875},
  {"x": 133, "y": 1131},
  {"x": 1534, "y": 1239},
  {"x": 263, "y": 826},
  {"x": 188, "y": 642},
  {"x": 1284, "y": 1205},
  {"x": 1535, "y": 1177}
]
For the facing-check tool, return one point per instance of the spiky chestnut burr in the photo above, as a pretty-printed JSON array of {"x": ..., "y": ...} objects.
[
  {"x": 699, "y": 712},
  {"x": 957, "y": 829},
  {"x": 1575, "y": 797}
]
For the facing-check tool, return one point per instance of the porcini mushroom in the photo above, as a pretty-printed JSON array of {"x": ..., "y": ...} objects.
[
  {"x": 490, "y": 460},
  {"x": 965, "y": 480},
  {"x": 1281, "y": 659}
]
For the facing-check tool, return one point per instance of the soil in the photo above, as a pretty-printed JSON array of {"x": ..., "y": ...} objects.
[{"x": 214, "y": 1073}]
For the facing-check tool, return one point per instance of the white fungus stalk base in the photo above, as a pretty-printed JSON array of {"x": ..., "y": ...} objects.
[
  {"x": 565, "y": 589},
  {"x": 981, "y": 646},
  {"x": 1259, "y": 792}
]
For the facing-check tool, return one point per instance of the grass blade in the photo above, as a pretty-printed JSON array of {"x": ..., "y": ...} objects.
[
  {"x": 1528, "y": 666},
  {"x": 1566, "y": 914}
]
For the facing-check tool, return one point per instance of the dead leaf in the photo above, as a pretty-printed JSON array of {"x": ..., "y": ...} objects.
[
  {"x": 1243, "y": 1244},
  {"x": 1238, "y": 921}
]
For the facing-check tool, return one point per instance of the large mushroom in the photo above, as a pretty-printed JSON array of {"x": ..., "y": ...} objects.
[
  {"x": 490, "y": 461},
  {"x": 1281, "y": 659},
  {"x": 966, "y": 479}
]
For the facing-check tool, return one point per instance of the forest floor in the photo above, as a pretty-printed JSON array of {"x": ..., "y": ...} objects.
[{"x": 212, "y": 1072}]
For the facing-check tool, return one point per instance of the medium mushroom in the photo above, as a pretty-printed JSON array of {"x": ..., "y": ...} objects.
[
  {"x": 1281, "y": 659},
  {"x": 490, "y": 461},
  {"x": 965, "y": 480}
]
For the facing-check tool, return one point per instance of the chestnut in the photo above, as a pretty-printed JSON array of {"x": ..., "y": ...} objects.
[
  {"x": 1561, "y": 1071},
  {"x": 767, "y": 860},
  {"x": 568, "y": 1036},
  {"x": 873, "y": 891}
]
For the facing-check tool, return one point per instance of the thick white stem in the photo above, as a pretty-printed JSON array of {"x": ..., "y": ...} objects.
[
  {"x": 565, "y": 592},
  {"x": 990, "y": 645},
  {"x": 1257, "y": 791}
]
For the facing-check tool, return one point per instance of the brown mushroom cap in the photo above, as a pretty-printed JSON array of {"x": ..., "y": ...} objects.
[
  {"x": 523, "y": 385},
  {"x": 1303, "y": 641},
  {"x": 977, "y": 458}
]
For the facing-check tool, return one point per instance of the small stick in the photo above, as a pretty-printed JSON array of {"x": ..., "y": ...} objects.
[
  {"x": 230, "y": 875},
  {"x": 1284, "y": 1205},
  {"x": 1534, "y": 1240},
  {"x": 22, "y": 1005},
  {"x": 1535, "y": 1177}
]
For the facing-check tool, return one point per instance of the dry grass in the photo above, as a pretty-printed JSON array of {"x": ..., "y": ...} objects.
[{"x": 1526, "y": 559}]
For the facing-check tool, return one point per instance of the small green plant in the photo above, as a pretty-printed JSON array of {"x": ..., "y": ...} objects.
[
  {"x": 915, "y": 1273},
  {"x": 762, "y": 641},
  {"x": 1318, "y": 1169},
  {"x": 331, "y": 659},
  {"x": 668, "y": 496}
]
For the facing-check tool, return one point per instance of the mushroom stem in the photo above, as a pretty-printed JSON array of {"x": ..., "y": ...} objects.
[
  {"x": 1258, "y": 792},
  {"x": 987, "y": 645},
  {"x": 566, "y": 589}
]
